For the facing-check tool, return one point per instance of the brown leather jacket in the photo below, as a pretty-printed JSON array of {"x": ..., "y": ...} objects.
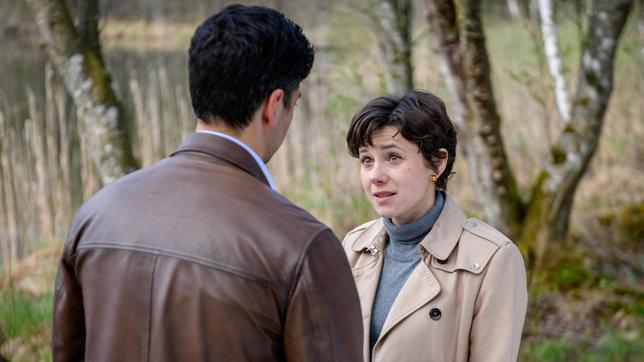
[{"x": 196, "y": 258}]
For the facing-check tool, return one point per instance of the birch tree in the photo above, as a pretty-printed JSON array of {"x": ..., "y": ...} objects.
[
  {"x": 549, "y": 35},
  {"x": 393, "y": 25},
  {"x": 513, "y": 9},
  {"x": 75, "y": 51},
  {"x": 542, "y": 217}
]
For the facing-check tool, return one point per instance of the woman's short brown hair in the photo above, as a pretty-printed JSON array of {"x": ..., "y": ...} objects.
[{"x": 420, "y": 117}]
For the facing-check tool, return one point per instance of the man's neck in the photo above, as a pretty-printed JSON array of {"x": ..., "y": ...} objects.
[{"x": 250, "y": 135}]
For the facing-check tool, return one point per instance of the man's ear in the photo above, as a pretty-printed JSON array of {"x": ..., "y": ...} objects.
[{"x": 273, "y": 106}]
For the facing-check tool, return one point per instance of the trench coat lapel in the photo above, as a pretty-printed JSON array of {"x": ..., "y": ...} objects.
[
  {"x": 420, "y": 289},
  {"x": 366, "y": 273},
  {"x": 422, "y": 286}
]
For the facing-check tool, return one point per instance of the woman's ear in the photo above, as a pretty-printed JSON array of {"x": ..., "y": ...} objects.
[
  {"x": 273, "y": 106},
  {"x": 442, "y": 162}
]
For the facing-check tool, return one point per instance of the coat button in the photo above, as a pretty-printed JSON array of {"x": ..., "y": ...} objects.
[
  {"x": 435, "y": 314},
  {"x": 422, "y": 250},
  {"x": 471, "y": 224},
  {"x": 476, "y": 266}
]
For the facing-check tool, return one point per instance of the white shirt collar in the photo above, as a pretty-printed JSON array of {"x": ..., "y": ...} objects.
[{"x": 256, "y": 157}]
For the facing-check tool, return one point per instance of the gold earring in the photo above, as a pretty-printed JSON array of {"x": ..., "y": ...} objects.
[{"x": 434, "y": 179}]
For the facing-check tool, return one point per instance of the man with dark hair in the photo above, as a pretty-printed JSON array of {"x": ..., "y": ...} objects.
[{"x": 198, "y": 257}]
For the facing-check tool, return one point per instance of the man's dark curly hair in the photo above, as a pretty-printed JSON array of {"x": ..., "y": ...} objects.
[
  {"x": 420, "y": 117},
  {"x": 239, "y": 56}
]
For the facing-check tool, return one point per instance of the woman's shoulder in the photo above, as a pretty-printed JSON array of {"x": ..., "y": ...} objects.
[
  {"x": 485, "y": 232},
  {"x": 364, "y": 226},
  {"x": 479, "y": 245},
  {"x": 471, "y": 244},
  {"x": 363, "y": 233}
]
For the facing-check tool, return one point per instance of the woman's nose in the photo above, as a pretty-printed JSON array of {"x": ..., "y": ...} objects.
[{"x": 377, "y": 174}]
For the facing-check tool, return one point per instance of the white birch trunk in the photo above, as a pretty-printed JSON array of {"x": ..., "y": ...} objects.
[
  {"x": 549, "y": 213},
  {"x": 549, "y": 35},
  {"x": 513, "y": 9},
  {"x": 82, "y": 69}
]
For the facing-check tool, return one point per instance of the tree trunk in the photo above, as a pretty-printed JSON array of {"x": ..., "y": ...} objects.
[
  {"x": 395, "y": 43},
  {"x": 549, "y": 35},
  {"x": 5, "y": 226},
  {"x": 444, "y": 25},
  {"x": 77, "y": 58},
  {"x": 513, "y": 9},
  {"x": 465, "y": 67},
  {"x": 549, "y": 210},
  {"x": 466, "y": 70}
]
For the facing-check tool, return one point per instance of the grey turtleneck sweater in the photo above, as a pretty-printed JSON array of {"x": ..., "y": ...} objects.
[{"x": 401, "y": 257}]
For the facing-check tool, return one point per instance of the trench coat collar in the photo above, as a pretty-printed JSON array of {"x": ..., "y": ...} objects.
[
  {"x": 439, "y": 242},
  {"x": 222, "y": 149},
  {"x": 374, "y": 238},
  {"x": 444, "y": 235}
]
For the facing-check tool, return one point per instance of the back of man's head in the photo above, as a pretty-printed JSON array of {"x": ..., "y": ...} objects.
[{"x": 239, "y": 56}]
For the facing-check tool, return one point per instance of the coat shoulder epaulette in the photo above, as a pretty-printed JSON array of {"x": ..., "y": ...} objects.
[{"x": 486, "y": 232}]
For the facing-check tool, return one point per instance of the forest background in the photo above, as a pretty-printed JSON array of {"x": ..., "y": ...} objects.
[{"x": 586, "y": 286}]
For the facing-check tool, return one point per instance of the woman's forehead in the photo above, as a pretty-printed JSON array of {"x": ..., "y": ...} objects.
[{"x": 387, "y": 137}]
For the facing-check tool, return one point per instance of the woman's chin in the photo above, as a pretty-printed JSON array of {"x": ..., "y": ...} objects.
[{"x": 385, "y": 213}]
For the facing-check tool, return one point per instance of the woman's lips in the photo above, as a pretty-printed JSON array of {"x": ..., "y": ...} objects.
[{"x": 382, "y": 197}]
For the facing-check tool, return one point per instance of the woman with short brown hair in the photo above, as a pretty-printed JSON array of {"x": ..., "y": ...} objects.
[{"x": 433, "y": 284}]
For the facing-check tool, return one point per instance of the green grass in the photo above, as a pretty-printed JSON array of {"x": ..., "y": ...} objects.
[
  {"x": 612, "y": 346},
  {"x": 22, "y": 314}
]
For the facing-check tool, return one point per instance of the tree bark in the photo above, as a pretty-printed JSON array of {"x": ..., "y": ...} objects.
[
  {"x": 460, "y": 45},
  {"x": 394, "y": 22},
  {"x": 466, "y": 70},
  {"x": 444, "y": 25},
  {"x": 5, "y": 226},
  {"x": 550, "y": 207},
  {"x": 78, "y": 59},
  {"x": 549, "y": 35},
  {"x": 513, "y": 9}
]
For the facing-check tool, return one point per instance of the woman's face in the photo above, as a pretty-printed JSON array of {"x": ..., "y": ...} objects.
[{"x": 395, "y": 177}]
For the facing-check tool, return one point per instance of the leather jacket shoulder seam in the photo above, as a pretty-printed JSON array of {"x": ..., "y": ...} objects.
[
  {"x": 201, "y": 261},
  {"x": 154, "y": 268},
  {"x": 300, "y": 261}
]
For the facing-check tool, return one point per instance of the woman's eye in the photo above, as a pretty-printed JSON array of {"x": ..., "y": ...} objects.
[
  {"x": 365, "y": 160},
  {"x": 394, "y": 157}
]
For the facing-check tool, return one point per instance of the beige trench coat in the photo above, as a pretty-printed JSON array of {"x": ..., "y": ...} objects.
[{"x": 465, "y": 301}]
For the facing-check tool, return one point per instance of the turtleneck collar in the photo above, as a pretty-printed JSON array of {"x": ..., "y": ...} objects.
[{"x": 414, "y": 232}]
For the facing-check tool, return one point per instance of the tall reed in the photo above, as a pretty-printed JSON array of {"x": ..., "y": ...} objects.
[{"x": 45, "y": 175}]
